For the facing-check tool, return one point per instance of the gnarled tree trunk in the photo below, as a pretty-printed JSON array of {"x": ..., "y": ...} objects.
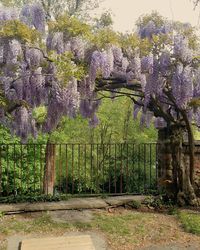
[
  {"x": 49, "y": 170},
  {"x": 176, "y": 174}
]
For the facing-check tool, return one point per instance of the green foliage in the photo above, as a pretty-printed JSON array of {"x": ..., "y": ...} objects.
[
  {"x": 156, "y": 202},
  {"x": 196, "y": 134},
  {"x": 103, "y": 38},
  {"x": 70, "y": 26},
  {"x": 154, "y": 16},
  {"x": 190, "y": 221},
  {"x": 14, "y": 3},
  {"x": 3, "y": 100},
  {"x": 188, "y": 31},
  {"x": 39, "y": 114},
  {"x": 6, "y": 137},
  {"x": 159, "y": 201},
  {"x": 135, "y": 204},
  {"x": 116, "y": 126},
  {"x": 182, "y": 28},
  {"x": 33, "y": 198},
  {"x": 105, "y": 20},
  {"x": 195, "y": 102},
  {"x": 133, "y": 42},
  {"x": 66, "y": 68},
  {"x": 14, "y": 29}
]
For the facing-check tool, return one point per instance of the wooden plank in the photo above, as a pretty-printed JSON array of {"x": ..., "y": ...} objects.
[{"x": 83, "y": 242}]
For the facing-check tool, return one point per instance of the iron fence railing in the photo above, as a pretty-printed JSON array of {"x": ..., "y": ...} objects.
[{"x": 79, "y": 168}]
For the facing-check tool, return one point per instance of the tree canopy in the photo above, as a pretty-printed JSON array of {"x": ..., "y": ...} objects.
[
  {"x": 67, "y": 67},
  {"x": 53, "y": 8}
]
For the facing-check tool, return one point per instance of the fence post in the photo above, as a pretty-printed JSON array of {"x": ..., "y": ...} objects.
[{"x": 49, "y": 169}]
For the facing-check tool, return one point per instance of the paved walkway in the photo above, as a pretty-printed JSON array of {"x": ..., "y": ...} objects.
[
  {"x": 69, "y": 241},
  {"x": 81, "y": 242}
]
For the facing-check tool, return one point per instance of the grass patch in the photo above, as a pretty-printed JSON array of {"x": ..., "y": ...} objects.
[
  {"x": 190, "y": 221},
  {"x": 40, "y": 224},
  {"x": 129, "y": 227},
  {"x": 126, "y": 228}
]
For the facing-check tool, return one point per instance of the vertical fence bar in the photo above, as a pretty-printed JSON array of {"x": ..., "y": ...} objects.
[
  {"x": 85, "y": 165},
  {"x": 156, "y": 145},
  {"x": 41, "y": 168},
  {"x": 34, "y": 168},
  {"x": 72, "y": 168},
  {"x": 127, "y": 168},
  {"x": 133, "y": 166},
  {"x": 115, "y": 183},
  {"x": 109, "y": 169},
  {"x": 27, "y": 166},
  {"x": 21, "y": 169},
  {"x": 121, "y": 163},
  {"x": 79, "y": 179},
  {"x": 66, "y": 165},
  {"x": 97, "y": 174},
  {"x": 150, "y": 162},
  {"x": 138, "y": 169},
  {"x": 7, "y": 169},
  {"x": 14, "y": 159},
  {"x": 1, "y": 189},
  {"x": 60, "y": 169},
  {"x": 144, "y": 167},
  {"x": 103, "y": 167},
  {"x": 91, "y": 171}
]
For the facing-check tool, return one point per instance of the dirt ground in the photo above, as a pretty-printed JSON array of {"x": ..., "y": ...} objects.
[{"x": 112, "y": 229}]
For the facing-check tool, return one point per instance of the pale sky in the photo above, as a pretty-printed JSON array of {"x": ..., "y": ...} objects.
[{"x": 126, "y": 12}]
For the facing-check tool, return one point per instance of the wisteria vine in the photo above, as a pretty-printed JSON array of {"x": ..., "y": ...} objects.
[{"x": 163, "y": 82}]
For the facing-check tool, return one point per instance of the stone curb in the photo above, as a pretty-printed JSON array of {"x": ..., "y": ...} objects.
[{"x": 73, "y": 203}]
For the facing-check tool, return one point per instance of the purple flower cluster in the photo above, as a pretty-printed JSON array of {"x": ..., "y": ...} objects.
[
  {"x": 150, "y": 29},
  {"x": 182, "y": 85},
  {"x": 28, "y": 76},
  {"x": 101, "y": 62},
  {"x": 34, "y": 16},
  {"x": 182, "y": 50},
  {"x": 8, "y": 14}
]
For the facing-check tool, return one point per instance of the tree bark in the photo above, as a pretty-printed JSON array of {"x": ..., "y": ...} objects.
[
  {"x": 49, "y": 170},
  {"x": 179, "y": 185}
]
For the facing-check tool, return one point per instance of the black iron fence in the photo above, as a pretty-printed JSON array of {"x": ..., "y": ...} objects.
[{"x": 78, "y": 168}]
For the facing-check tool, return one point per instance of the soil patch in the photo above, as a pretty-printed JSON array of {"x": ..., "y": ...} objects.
[{"x": 72, "y": 216}]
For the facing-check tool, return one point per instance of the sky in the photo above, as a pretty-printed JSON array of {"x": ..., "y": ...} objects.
[{"x": 126, "y": 12}]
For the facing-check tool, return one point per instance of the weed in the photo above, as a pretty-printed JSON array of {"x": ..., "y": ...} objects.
[{"x": 135, "y": 204}]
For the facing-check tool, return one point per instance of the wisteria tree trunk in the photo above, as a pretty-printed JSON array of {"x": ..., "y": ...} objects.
[
  {"x": 49, "y": 170},
  {"x": 179, "y": 184}
]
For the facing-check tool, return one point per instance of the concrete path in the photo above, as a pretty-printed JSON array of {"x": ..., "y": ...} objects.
[
  {"x": 82, "y": 242},
  {"x": 69, "y": 241}
]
